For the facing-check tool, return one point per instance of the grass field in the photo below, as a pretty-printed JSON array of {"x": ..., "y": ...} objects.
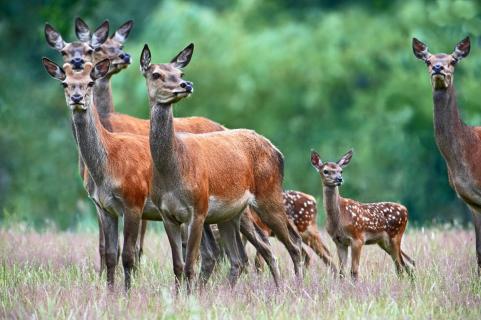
[{"x": 54, "y": 275}]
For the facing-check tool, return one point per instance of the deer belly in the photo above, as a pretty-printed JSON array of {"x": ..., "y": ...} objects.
[
  {"x": 174, "y": 208},
  {"x": 376, "y": 237},
  {"x": 222, "y": 210}
]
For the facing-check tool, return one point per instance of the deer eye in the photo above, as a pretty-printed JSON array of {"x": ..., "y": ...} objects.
[
  {"x": 428, "y": 63},
  {"x": 90, "y": 51},
  {"x": 181, "y": 74},
  {"x": 63, "y": 53},
  {"x": 156, "y": 76},
  {"x": 454, "y": 61},
  {"x": 325, "y": 172},
  {"x": 64, "y": 84},
  {"x": 91, "y": 84},
  {"x": 97, "y": 49}
]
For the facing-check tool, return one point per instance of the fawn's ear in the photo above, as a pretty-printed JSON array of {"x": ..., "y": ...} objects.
[
  {"x": 123, "y": 31},
  {"x": 53, "y": 69},
  {"x": 420, "y": 50},
  {"x": 344, "y": 161},
  {"x": 145, "y": 58},
  {"x": 100, "y": 35},
  {"x": 183, "y": 58},
  {"x": 100, "y": 70},
  {"x": 316, "y": 160},
  {"x": 82, "y": 30},
  {"x": 54, "y": 39},
  {"x": 462, "y": 49}
]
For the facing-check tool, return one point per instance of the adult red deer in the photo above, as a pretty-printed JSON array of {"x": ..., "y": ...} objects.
[
  {"x": 354, "y": 224},
  {"x": 459, "y": 144},
  {"x": 209, "y": 178}
]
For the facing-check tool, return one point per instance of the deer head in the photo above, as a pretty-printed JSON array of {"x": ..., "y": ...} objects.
[
  {"x": 105, "y": 47},
  {"x": 75, "y": 53},
  {"x": 77, "y": 84},
  {"x": 441, "y": 66},
  {"x": 330, "y": 172},
  {"x": 164, "y": 81}
]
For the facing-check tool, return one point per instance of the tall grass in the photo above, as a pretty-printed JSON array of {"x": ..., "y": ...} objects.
[{"x": 54, "y": 275}]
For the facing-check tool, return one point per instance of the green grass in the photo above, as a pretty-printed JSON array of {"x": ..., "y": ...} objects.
[{"x": 55, "y": 275}]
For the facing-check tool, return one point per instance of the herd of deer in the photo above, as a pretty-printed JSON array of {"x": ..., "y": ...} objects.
[{"x": 191, "y": 173}]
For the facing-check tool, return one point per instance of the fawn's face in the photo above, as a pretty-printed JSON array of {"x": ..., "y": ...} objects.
[
  {"x": 330, "y": 172},
  {"x": 77, "y": 84},
  {"x": 441, "y": 66},
  {"x": 164, "y": 81}
]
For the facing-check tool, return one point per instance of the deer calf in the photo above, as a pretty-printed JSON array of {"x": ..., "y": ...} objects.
[{"x": 354, "y": 224}]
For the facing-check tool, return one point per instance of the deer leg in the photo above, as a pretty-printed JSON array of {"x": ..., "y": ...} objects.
[
  {"x": 342, "y": 254},
  {"x": 184, "y": 228},
  {"x": 174, "y": 234},
  {"x": 110, "y": 227},
  {"x": 143, "y": 230},
  {"x": 209, "y": 252},
  {"x": 193, "y": 245},
  {"x": 132, "y": 223},
  {"x": 306, "y": 257},
  {"x": 101, "y": 240},
  {"x": 248, "y": 229},
  {"x": 477, "y": 230},
  {"x": 312, "y": 238},
  {"x": 227, "y": 232},
  {"x": 356, "y": 247},
  {"x": 274, "y": 215}
]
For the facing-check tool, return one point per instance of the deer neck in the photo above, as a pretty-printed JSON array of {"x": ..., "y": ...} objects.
[
  {"x": 89, "y": 134},
  {"x": 332, "y": 201},
  {"x": 450, "y": 131},
  {"x": 164, "y": 145},
  {"x": 103, "y": 96}
]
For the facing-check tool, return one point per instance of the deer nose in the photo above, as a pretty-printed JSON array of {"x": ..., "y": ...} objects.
[
  {"x": 339, "y": 179},
  {"x": 187, "y": 85},
  {"x": 125, "y": 57},
  {"x": 77, "y": 63},
  {"x": 437, "y": 68},
  {"x": 76, "y": 98}
]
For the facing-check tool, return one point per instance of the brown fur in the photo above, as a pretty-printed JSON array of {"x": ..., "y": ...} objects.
[
  {"x": 209, "y": 177},
  {"x": 458, "y": 143}
]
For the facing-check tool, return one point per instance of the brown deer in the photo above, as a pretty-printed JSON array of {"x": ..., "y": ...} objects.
[
  {"x": 459, "y": 144},
  {"x": 302, "y": 211},
  {"x": 209, "y": 178},
  {"x": 95, "y": 47},
  {"x": 118, "y": 164},
  {"x": 354, "y": 224}
]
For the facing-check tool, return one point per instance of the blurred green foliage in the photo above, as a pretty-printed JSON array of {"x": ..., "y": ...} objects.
[{"x": 330, "y": 76}]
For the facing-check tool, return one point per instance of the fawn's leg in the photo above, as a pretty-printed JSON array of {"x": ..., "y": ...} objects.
[{"x": 356, "y": 247}]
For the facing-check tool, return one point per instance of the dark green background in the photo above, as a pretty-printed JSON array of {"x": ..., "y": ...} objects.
[{"x": 329, "y": 75}]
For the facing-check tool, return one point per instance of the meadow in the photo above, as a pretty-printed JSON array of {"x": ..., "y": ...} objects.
[{"x": 52, "y": 274}]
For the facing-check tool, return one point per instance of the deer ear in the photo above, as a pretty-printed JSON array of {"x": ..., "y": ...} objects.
[
  {"x": 344, "y": 161},
  {"x": 123, "y": 31},
  {"x": 145, "y": 58},
  {"x": 420, "y": 50},
  {"x": 53, "y": 69},
  {"x": 100, "y": 70},
  {"x": 100, "y": 35},
  {"x": 316, "y": 160},
  {"x": 82, "y": 30},
  {"x": 54, "y": 39},
  {"x": 183, "y": 58},
  {"x": 462, "y": 49}
]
